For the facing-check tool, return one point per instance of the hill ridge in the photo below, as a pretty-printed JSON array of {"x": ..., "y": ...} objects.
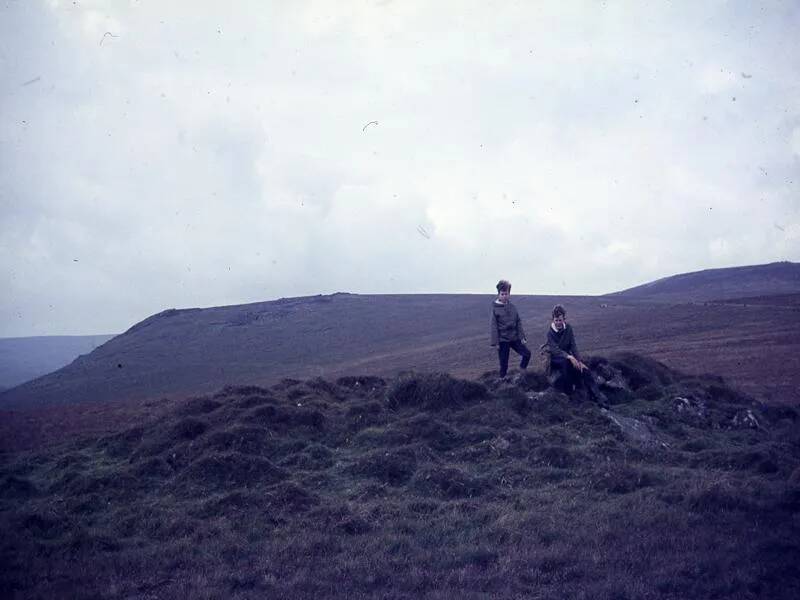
[
  {"x": 718, "y": 283},
  {"x": 196, "y": 350}
]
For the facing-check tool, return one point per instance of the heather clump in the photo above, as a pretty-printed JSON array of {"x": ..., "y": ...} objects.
[
  {"x": 200, "y": 406},
  {"x": 424, "y": 485},
  {"x": 434, "y": 391}
]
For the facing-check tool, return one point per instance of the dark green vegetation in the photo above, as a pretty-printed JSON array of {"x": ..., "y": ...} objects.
[{"x": 423, "y": 485}]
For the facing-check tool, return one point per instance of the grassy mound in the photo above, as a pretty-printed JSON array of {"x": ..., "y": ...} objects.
[
  {"x": 434, "y": 391},
  {"x": 425, "y": 485}
]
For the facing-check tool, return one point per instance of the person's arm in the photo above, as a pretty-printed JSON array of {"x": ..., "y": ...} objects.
[
  {"x": 493, "y": 328},
  {"x": 573, "y": 345},
  {"x": 521, "y": 331},
  {"x": 573, "y": 351}
]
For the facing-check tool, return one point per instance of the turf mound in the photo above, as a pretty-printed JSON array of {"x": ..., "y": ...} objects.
[
  {"x": 420, "y": 486},
  {"x": 231, "y": 470},
  {"x": 434, "y": 391}
]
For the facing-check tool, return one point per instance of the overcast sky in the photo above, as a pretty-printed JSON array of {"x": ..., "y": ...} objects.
[{"x": 158, "y": 154}]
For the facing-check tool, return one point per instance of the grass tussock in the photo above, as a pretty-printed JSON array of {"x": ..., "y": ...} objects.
[
  {"x": 421, "y": 486},
  {"x": 434, "y": 391}
]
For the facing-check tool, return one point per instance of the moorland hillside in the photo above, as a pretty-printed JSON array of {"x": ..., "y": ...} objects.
[
  {"x": 423, "y": 485},
  {"x": 182, "y": 352},
  {"x": 754, "y": 343},
  {"x": 721, "y": 284}
]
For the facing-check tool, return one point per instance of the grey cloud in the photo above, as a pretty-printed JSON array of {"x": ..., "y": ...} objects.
[{"x": 210, "y": 156}]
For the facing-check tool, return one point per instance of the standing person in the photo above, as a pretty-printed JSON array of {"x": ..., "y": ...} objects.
[
  {"x": 567, "y": 371},
  {"x": 505, "y": 329}
]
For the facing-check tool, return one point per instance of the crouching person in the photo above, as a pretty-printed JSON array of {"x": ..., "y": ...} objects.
[
  {"x": 505, "y": 329},
  {"x": 566, "y": 371}
]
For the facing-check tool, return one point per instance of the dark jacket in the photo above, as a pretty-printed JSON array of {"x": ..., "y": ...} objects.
[
  {"x": 561, "y": 343},
  {"x": 505, "y": 324}
]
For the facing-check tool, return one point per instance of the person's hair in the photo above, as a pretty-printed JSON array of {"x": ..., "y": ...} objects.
[
  {"x": 558, "y": 311},
  {"x": 503, "y": 286}
]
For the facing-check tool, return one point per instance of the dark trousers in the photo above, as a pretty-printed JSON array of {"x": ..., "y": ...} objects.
[
  {"x": 503, "y": 350},
  {"x": 568, "y": 379}
]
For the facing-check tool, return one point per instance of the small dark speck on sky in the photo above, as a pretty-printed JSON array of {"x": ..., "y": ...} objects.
[
  {"x": 422, "y": 232},
  {"x": 364, "y": 128},
  {"x": 733, "y": 99},
  {"x": 105, "y": 35},
  {"x": 119, "y": 365},
  {"x": 779, "y": 227},
  {"x": 746, "y": 76},
  {"x": 74, "y": 260},
  {"x": 32, "y": 81}
]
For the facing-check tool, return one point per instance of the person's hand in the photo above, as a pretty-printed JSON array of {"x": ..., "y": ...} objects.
[
  {"x": 579, "y": 365},
  {"x": 524, "y": 341},
  {"x": 575, "y": 362}
]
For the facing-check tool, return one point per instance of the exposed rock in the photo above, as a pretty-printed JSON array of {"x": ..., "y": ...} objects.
[
  {"x": 635, "y": 429},
  {"x": 610, "y": 377},
  {"x": 745, "y": 419}
]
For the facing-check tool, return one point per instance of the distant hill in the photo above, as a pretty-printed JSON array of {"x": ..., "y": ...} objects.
[
  {"x": 199, "y": 350},
  {"x": 721, "y": 284},
  {"x": 25, "y": 358},
  {"x": 196, "y": 351}
]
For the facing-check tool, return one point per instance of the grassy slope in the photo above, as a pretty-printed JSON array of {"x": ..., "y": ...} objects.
[
  {"x": 753, "y": 344},
  {"x": 198, "y": 351},
  {"x": 713, "y": 284},
  {"x": 424, "y": 485}
]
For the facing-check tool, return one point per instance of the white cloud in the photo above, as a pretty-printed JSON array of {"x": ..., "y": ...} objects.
[
  {"x": 795, "y": 142},
  {"x": 715, "y": 79},
  {"x": 215, "y": 155}
]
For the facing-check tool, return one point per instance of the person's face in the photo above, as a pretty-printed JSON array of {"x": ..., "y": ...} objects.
[
  {"x": 503, "y": 296},
  {"x": 560, "y": 322}
]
